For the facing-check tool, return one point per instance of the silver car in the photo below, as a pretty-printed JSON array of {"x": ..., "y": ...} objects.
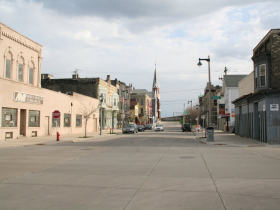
[{"x": 159, "y": 127}]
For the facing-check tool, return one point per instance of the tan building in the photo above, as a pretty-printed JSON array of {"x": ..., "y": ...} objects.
[
  {"x": 145, "y": 106},
  {"x": 246, "y": 85},
  {"x": 26, "y": 108}
]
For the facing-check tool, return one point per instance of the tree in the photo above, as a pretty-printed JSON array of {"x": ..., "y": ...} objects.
[{"x": 88, "y": 107}]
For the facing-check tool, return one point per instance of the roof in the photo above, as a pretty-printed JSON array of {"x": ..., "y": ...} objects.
[
  {"x": 232, "y": 80},
  {"x": 272, "y": 31},
  {"x": 140, "y": 91}
]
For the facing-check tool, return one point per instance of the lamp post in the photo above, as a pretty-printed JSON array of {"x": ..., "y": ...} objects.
[
  {"x": 124, "y": 98},
  {"x": 101, "y": 101},
  {"x": 191, "y": 111},
  {"x": 209, "y": 85},
  {"x": 184, "y": 115}
]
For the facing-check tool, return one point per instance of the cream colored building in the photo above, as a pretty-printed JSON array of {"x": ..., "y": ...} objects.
[
  {"x": 26, "y": 108},
  {"x": 246, "y": 85}
]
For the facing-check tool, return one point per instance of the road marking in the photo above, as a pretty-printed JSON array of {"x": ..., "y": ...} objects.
[{"x": 135, "y": 140}]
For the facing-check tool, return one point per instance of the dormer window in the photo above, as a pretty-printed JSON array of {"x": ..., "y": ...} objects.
[{"x": 262, "y": 75}]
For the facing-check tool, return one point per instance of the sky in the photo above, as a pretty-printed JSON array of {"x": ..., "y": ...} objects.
[{"x": 126, "y": 38}]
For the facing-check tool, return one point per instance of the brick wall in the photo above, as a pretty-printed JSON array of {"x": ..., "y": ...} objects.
[{"x": 275, "y": 61}]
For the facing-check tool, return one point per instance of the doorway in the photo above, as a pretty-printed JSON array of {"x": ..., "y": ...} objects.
[
  {"x": 47, "y": 125},
  {"x": 22, "y": 129}
]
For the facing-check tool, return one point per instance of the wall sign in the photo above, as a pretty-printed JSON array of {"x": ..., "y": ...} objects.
[
  {"x": 274, "y": 107},
  {"x": 28, "y": 98}
]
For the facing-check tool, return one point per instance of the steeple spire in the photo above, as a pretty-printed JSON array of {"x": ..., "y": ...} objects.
[{"x": 155, "y": 82}]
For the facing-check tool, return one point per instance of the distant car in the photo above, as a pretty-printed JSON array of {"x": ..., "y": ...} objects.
[
  {"x": 141, "y": 128},
  {"x": 159, "y": 127},
  {"x": 149, "y": 127},
  {"x": 130, "y": 128},
  {"x": 186, "y": 127}
]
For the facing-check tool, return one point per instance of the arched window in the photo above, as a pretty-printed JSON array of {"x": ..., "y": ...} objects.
[
  {"x": 31, "y": 73},
  {"x": 8, "y": 66},
  {"x": 20, "y": 70}
]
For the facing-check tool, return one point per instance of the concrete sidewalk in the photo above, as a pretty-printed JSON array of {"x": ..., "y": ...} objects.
[
  {"x": 226, "y": 138},
  {"x": 52, "y": 139}
]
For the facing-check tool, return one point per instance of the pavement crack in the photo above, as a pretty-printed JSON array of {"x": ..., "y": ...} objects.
[
  {"x": 254, "y": 196},
  {"x": 212, "y": 179}
]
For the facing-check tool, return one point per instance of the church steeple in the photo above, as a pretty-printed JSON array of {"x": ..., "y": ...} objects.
[{"x": 155, "y": 82}]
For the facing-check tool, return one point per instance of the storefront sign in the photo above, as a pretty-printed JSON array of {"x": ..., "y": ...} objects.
[
  {"x": 28, "y": 98},
  {"x": 222, "y": 109},
  {"x": 274, "y": 107}
]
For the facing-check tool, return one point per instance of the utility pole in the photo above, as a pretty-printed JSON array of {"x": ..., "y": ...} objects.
[{"x": 191, "y": 110}]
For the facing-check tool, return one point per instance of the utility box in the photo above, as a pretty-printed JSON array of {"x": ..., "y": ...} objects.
[{"x": 210, "y": 134}]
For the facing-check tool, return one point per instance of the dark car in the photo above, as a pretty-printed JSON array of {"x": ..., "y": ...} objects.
[
  {"x": 186, "y": 127},
  {"x": 149, "y": 127},
  {"x": 141, "y": 128},
  {"x": 130, "y": 128}
]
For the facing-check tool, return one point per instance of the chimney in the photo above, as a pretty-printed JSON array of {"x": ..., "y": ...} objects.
[
  {"x": 108, "y": 78},
  {"x": 75, "y": 76}
]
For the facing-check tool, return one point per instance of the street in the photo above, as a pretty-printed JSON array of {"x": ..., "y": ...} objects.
[{"x": 148, "y": 170}]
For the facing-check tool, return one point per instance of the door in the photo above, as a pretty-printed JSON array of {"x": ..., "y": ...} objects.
[
  {"x": 94, "y": 125},
  {"x": 22, "y": 129},
  {"x": 47, "y": 126}
]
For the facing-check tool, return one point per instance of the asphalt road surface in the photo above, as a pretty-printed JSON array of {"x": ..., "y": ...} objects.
[{"x": 148, "y": 170}]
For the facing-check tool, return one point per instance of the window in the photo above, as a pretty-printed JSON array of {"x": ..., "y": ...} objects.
[
  {"x": 104, "y": 98},
  {"x": 9, "y": 117},
  {"x": 54, "y": 122},
  {"x": 31, "y": 76},
  {"x": 142, "y": 102},
  {"x": 20, "y": 67},
  {"x": 67, "y": 120},
  {"x": 115, "y": 102},
  {"x": 262, "y": 75},
  {"x": 215, "y": 102},
  {"x": 141, "y": 110},
  {"x": 8, "y": 68},
  {"x": 256, "y": 77},
  {"x": 78, "y": 120},
  {"x": 34, "y": 118}
]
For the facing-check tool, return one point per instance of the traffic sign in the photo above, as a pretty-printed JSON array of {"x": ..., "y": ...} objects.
[
  {"x": 186, "y": 113},
  {"x": 202, "y": 116},
  {"x": 56, "y": 114},
  {"x": 216, "y": 97}
]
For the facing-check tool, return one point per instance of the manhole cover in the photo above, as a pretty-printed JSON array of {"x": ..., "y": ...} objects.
[
  {"x": 186, "y": 157},
  {"x": 39, "y": 144},
  {"x": 86, "y": 149}
]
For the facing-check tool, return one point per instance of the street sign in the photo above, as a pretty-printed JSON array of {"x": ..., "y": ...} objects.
[
  {"x": 202, "y": 116},
  {"x": 186, "y": 113},
  {"x": 216, "y": 97},
  {"x": 56, "y": 114}
]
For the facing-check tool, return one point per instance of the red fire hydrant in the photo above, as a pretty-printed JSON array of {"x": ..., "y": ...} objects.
[{"x": 57, "y": 136}]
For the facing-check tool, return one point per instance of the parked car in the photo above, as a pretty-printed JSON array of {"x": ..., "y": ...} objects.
[
  {"x": 130, "y": 128},
  {"x": 159, "y": 127},
  {"x": 149, "y": 127},
  {"x": 141, "y": 128},
  {"x": 186, "y": 127}
]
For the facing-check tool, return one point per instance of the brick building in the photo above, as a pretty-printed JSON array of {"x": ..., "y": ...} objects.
[
  {"x": 257, "y": 113},
  {"x": 92, "y": 87}
]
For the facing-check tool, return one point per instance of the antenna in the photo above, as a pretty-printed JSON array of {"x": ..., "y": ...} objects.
[{"x": 76, "y": 71}]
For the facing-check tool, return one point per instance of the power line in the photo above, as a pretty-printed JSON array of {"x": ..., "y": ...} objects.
[{"x": 181, "y": 90}]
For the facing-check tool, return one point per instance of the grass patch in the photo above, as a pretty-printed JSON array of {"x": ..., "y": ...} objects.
[{"x": 84, "y": 137}]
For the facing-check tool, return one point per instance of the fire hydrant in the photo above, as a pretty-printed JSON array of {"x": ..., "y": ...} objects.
[{"x": 57, "y": 136}]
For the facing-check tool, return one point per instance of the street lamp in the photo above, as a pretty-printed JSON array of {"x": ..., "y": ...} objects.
[
  {"x": 101, "y": 101},
  {"x": 209, "y": 85}
]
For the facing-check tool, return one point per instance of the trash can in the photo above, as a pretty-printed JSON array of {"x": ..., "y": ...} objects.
[
  {"x": 232, "y": 129},
  {"x": 210, "y": 134}
]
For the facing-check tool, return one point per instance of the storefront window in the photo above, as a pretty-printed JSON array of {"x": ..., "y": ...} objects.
[
  {"x": 34, "y": 118},
  {"x": 67, "y": 120},
  {"x": 78, "y": 120},
  {"x": 9, "y": 117}
]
